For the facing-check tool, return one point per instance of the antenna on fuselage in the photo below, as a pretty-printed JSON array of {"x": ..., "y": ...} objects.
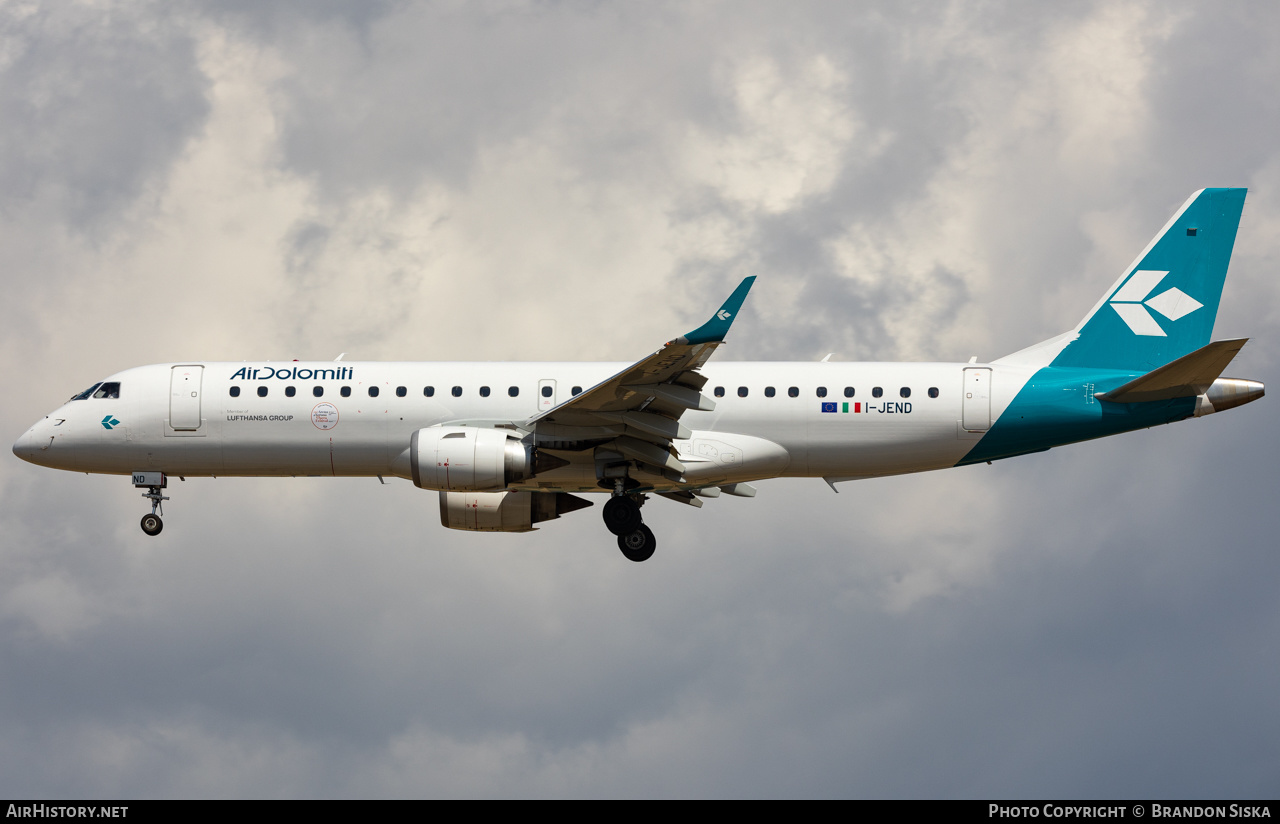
[{"x": 340, "y": 357}]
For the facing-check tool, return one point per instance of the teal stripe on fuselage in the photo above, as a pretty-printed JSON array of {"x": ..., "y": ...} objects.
[{"x": 1057, "y": 407}]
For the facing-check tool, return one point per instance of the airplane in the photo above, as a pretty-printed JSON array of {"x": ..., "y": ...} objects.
[{"x": 511, "y": 445}]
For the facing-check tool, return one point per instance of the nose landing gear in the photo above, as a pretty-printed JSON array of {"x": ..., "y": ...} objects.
[{"x": 154, "y": 482}]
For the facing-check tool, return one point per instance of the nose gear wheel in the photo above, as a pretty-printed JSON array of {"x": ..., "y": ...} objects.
[{"x": 151, "y": 524}]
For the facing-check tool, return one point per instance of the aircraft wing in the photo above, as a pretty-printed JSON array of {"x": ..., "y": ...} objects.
[{"x": 637, "y": 411}]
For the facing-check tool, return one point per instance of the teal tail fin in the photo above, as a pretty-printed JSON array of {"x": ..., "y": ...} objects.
[{"x": 1164, "y": 305}]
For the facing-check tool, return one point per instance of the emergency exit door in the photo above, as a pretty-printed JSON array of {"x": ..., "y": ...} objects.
[{"x": 546, "y": 394}]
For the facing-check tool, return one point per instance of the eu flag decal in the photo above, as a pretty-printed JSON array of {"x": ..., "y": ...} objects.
[{"x": 828, "y": 407}]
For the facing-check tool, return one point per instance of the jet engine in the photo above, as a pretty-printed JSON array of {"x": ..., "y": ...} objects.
[
  {"x": 456, "y": 458},
  {"x": 504, "y": 511}
]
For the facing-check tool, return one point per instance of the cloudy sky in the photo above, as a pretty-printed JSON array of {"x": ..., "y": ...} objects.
[{"x": 582, "y": 181}]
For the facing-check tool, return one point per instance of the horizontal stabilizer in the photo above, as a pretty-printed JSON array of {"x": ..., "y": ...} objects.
[{"x": 1185, "y": 377}]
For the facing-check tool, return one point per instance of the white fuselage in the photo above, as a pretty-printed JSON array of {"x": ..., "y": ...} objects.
[{"x": 211, "y": 418}]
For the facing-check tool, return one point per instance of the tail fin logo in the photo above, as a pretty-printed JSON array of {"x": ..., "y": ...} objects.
[{"x": 1130, "y": 302}]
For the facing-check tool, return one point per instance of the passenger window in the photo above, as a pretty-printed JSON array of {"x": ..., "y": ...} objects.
[
  {"x": 822, "y": 391},
  {"x": 108, "y": 391},
  {"x": 742, "y": 391},
  {"x": 546, "y": 391},
  {"x": 793, "y": 392},
  {"x": 290, "y": 391},
  {"x": 904, "y": 392},
  {"x": 769, "y": 391},
  {"x": 428, "y": 391},
  {"x": 577, "y": 390},
  {"x": 345, "y": 392},
  {"x": 719, "y": 392},
  {"x": 484, "y": 391},
  {"x": 262, "y": 391},
  {"x": 513, "y": 391},
  {"x": 876, "y": 392},
  {"x": 373, "y": 391},
  {"x": 235, "y": 391},
  {"x": 848, "y": 391},
  {"x": 318, "y": 391},
  {"x": 401, "y": 391},
  {"x": 933, "y": 391},
  {"x": 456, "y": 391}
]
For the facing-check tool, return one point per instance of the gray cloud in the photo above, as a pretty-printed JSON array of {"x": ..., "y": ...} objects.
[{"x": 95, "y": 106}]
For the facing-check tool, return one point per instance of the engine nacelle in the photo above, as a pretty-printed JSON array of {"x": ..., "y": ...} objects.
[
  {"x": 457, "y": 458},
  {"x": 504, "y": 511}
]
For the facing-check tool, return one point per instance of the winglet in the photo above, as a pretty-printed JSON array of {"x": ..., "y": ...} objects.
[{"x": 714, "y": 330}]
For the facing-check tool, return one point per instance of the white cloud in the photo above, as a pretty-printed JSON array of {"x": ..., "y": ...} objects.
[{"x": 792, "y": 137}]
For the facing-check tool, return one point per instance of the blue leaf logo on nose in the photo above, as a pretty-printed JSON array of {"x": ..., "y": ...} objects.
[{"x": 109, "y": 422}]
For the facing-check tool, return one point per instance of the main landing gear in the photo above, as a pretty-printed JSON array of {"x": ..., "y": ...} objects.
[
  {"x": 622, "y": 518},
  {"x": 639, "y": 545},
  {"x": 154, "y": 482}
]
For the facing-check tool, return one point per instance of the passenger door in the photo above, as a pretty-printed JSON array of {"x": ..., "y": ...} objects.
[{"x": 184, "y": 397}]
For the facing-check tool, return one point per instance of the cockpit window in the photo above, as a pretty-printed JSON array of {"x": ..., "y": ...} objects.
[
  {"x": 109, "y": 390},
  {"x": 86, "y": 393}
]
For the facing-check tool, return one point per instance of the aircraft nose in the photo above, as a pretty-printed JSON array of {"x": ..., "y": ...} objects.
[
  {"x": 21, "y": 447},
  {"x": 27, "y": 447}
]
